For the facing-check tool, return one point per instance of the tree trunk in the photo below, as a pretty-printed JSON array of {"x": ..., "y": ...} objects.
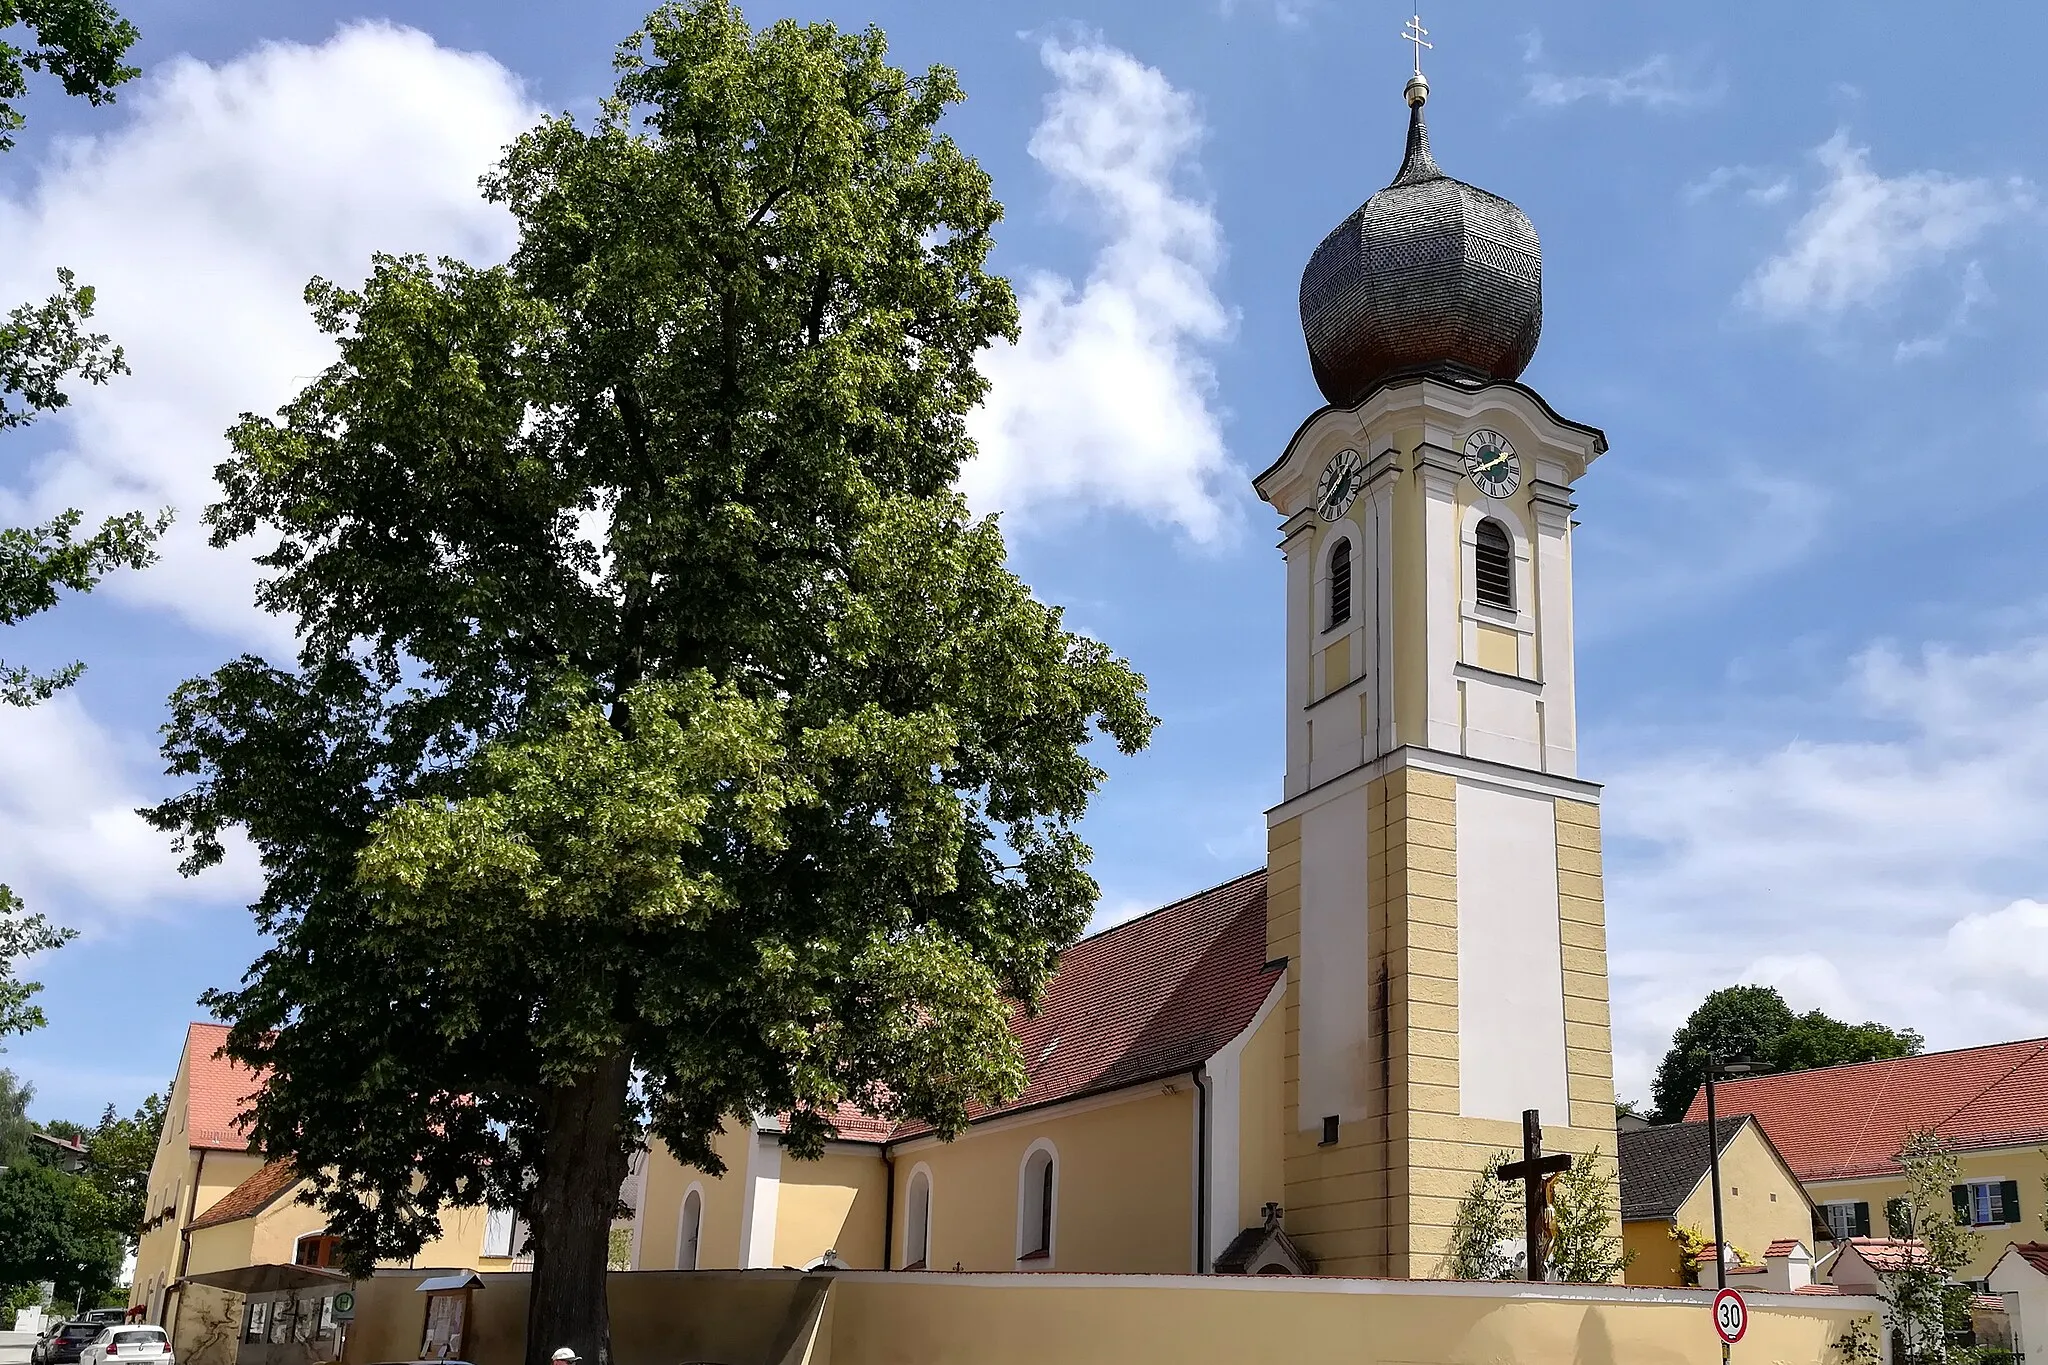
[{"x": 583, "y": 1163}]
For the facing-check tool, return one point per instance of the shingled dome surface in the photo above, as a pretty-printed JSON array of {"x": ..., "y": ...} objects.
[{"x": 1429, "y": 276}]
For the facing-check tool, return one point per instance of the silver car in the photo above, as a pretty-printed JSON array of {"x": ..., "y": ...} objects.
[{"x": 120, "y": 1345}]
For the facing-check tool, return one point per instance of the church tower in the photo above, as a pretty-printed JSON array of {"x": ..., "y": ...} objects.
[{"x": 1434, "y": 866}]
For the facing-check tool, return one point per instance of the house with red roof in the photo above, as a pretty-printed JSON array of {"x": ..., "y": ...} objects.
[
  {"x": 1841, "y": 1128},
  {"x": 222, "y": 1220}
]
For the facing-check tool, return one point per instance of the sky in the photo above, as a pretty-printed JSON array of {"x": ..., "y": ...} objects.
[{"x": 1791, "y": 267}]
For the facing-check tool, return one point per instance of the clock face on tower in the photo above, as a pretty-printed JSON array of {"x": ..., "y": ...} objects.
[
  {"x": 1491, "y": 461},
  {"x": 1339, "y": 484}
]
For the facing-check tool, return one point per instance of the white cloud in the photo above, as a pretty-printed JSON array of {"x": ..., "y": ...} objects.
[
  {"x": 1757, "y": 186},
  {"x": 199, "y": 217},
  {"x": 1893, "y": 871},
  {"x": 1654, "y": 83},
  {"x": 1974, "y": 295},
  {"x": 1108, "y": 398},
  {"x": 1866, "y": 233},
  {"x": 76, "y": 849}
]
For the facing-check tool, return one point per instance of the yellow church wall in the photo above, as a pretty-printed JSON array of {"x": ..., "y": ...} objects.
[
  {"x": 724, "y": 1199},
  {"x": 2028, "y": 1165},
  {"x": 938, "y": 1319},
  {"x": 918, "y": 1318},
  {"x": 1124, "y": 1187},
  {"x": 1653, "y": 1254},
  {"x": 1261, "y": 1155},
  {"x": 1761, "y": 1201},
  {"x": 834, "y": 1203}
]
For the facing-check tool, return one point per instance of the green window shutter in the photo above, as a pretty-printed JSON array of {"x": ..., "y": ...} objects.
[
  {"x": 2009, "y": 1200},
  {"x": 1859, "y": 1224},
  {"x": 1961, "y": 1194}
]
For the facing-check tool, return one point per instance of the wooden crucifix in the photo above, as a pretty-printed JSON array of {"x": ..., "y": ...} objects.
[{"x": 1536, "y": 1172}]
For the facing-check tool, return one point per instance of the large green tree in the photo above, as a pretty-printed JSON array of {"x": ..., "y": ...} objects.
[
  {"x": 118, "y": 1153},
  {"x": 53, "y": 1227},
  {"x": 44, "y": 348},
  {"x": 1755, "y": 1024},
  {"x": 666, "y": 744}
]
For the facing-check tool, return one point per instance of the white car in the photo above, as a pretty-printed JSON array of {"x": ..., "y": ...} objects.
[{"x": 119, "y": 1345}]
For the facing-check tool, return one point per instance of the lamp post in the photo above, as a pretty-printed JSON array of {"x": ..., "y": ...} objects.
[{"x": 1716, "y": 1068}]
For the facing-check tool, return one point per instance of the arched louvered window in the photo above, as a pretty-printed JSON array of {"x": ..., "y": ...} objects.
[
  {"x": 917, "y": 1229},
  {"x": 690, "y": 1230},
  {"x": 1037, "y": 1195},
  {"x": 1493, "y": 565},
  {"x": 1340, "y": 585}
]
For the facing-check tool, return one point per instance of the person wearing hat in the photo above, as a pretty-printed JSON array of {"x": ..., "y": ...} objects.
[{"x": 565, "y": 1355}]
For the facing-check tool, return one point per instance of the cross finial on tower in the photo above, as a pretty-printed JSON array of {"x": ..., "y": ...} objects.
[{"x": 1416, "y": 33}]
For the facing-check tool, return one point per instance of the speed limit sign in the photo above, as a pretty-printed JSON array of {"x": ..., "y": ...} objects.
[{"x": 1731, "y": 1316}]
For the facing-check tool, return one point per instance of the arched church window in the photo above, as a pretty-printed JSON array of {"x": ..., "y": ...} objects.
[
  {"x": 1493, "y": 565},
  {"x": 1340, "y": 585},
  {"x": 917, "y": 1221},
  {"x": 1036, "y": 1191},
  {"x": 690, "y": 1230}
]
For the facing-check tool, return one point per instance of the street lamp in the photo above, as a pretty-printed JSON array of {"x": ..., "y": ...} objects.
[{"x": 1716, "y": 1068}]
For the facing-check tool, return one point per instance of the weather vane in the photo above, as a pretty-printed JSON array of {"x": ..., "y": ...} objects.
[{"x": 1416, "y": 33}]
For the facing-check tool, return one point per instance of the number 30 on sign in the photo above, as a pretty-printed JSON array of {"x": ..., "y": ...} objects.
[{"x": 1731, "y": 1316}]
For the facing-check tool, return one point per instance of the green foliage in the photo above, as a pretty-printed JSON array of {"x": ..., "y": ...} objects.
[
  {"x": 15, "y": 1126},
  {"x": 1585, "y": 1245},
  {"x": 1488, "y": 1218},
  {"x": 42, "y": 346},
  {"x": 53, "y": 1227},
  {"x": 118, "y": 1153},
  {"x": 80, "y": 42},
  {"x": 1926, "y": 1310},
  {"x": 1487, "y": 1230},
  {"x": 21, "y": 934},
  {"x": 666, "y": 742},
  {"x": 1755, "y": 1024},
  {"x": 1816, "y": 1039}
]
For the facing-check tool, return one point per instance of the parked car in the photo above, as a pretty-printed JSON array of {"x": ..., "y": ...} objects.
[
  {"x": 63, "y": 1343},
  {"x": 120, "y": 1345},
  {"x": 103, "y": 1316}
]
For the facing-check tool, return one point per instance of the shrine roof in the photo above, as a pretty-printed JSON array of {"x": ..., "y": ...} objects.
[{"x": 1839, "y": 1122}]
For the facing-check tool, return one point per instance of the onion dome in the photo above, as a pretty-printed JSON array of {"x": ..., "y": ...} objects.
[{"x": 1429, "y": 276}]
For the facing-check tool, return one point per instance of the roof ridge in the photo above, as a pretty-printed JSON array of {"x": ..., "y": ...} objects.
[
  {"x": 1881, "y": 1061},
  {"x": 1170, "y": 905}
]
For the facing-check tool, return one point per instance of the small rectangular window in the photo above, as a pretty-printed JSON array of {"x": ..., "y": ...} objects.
[{"x": 1329, "y": 1130}]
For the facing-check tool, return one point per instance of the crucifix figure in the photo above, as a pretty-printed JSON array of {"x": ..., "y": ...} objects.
[
  {"x": 1537, "y": 1173},
  {"x": 1415, "y": 33}
]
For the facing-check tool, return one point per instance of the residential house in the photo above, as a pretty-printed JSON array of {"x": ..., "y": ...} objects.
[
  {"x": 1666, "y": 1186},
  {"x": 1841, "y": 1129}
]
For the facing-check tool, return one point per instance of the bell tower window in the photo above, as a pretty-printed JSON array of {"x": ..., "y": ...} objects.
[
  {"x": 1340, "y": 585},
  {"x": 1493, "y": 566}
]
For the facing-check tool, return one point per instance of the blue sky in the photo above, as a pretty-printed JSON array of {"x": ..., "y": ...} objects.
[{"x": 1791, "y": 268}]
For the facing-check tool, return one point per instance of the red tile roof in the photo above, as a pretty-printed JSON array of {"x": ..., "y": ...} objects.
[
  {"x": 252, "y": 1196},
  {"x": 1816, "y": 1289},
  {"x": 1784, "y": 1247},
  {"x": 216, "y": 1091},
  {"x": 2034, "y": 1254},
  {"x": 1887, "y": 1254},
  {"x": 1838, "y": 1122},
  {"x": 1150, "y": 998}
]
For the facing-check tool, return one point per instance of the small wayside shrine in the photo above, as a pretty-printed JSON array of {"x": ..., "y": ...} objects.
[{"x": 1434, "y": 866}]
